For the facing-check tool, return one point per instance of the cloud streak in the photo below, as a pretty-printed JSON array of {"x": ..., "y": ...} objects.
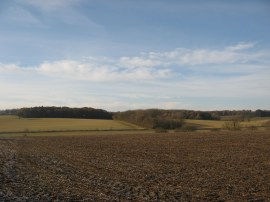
[
  {"x": 52, "y": 5},
  {"x": 180, "y": 56},
  {"x": 241, "y": 46}
]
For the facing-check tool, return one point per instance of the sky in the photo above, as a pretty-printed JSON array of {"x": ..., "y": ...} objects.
[{"x": 125, "y": 54}]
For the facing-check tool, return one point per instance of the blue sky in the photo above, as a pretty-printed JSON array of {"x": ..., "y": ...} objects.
[{"x": 126, "y": 54}]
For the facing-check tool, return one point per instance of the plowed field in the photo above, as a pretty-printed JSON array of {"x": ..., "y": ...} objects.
[{"x": 224, "y": 166}]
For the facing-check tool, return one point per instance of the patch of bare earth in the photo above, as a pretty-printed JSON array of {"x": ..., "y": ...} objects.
[{"x": 151, "y": 167}]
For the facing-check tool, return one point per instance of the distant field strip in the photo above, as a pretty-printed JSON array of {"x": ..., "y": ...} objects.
[
  {"x": 215, "y": 124},
  {"x": 16, "y": 124}
]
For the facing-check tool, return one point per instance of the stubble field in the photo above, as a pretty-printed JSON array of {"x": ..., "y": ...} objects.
[
  {"x": 14, "y": 124},
  {"x": 214, "y": 166}
]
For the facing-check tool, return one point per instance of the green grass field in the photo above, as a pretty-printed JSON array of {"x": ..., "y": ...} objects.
[{"x": 15, "y": 124}]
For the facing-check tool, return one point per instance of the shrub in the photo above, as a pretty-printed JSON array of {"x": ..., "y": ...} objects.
[{"x": 168, "y": 123}]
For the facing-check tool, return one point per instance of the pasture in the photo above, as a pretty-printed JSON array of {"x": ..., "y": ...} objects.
[{"x": 213, "y": 166}]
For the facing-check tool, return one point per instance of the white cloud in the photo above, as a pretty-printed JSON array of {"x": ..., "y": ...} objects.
[
  {"x": 154, "y": 65},
  {"x": 241, "y": 46},
  {"x": 76, "y": 70},
  {"x": 9, "y": 68},
  {"x": 201, "y": 57},
  {"x": 133, "y": 62},
  {"x": 92, "y": 72},
  {"x": 189, "y": 57},
  {"x": 145, "y": 81}
]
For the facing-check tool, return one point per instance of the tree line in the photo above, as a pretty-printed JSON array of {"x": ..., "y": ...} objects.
[
  {"x": 64, "y": 112},
  {"x": 149, "y": 118},
  {"x": 9, "y": 112},
  {"x": 171, "y": 119}
]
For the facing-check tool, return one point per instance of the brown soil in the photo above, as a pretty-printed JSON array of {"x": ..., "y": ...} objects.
[{"x": 233, "y": 166}]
